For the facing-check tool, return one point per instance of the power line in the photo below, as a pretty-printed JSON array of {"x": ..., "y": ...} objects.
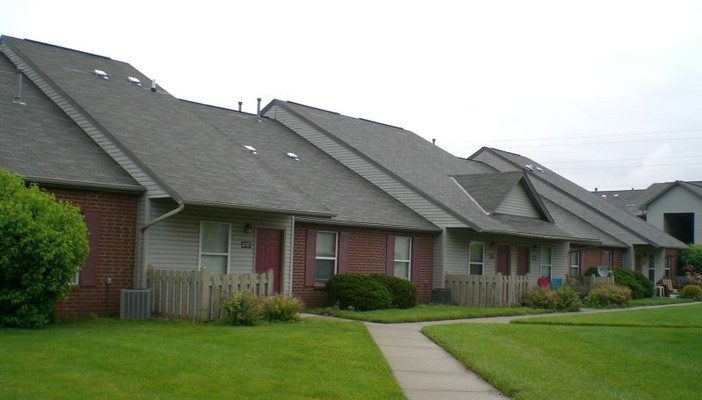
[{"x": 551, "y": 138}]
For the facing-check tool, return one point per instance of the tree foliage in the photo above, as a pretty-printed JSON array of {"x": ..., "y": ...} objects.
[
  {"x": 43, "y": 242},
  {"x": 693, "y": 256}
]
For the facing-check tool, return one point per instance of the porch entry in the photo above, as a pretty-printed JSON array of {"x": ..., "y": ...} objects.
[
  {"x": 502, "y": 263},
  {"x": 522, "y": 260},
  {"x": 269, "y": 251}
]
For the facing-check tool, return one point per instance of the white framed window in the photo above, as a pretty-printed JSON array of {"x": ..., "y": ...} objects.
[
  {"x": 326, "y": 256},
  {"x": 668, "y": 266},
  {"x": 215, "y": 246},
  {"x": 546, "y": 261},
  {"x": 75, "y": 279},
  {"x": 403, "y": 255},
  {"x": 574, "y": 263},
  {"x": 476, "y": 257},
  {"x": 651, "y": 268}
]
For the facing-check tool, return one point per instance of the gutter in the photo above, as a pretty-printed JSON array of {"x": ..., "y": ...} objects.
[{"x": 169, "y": 214}]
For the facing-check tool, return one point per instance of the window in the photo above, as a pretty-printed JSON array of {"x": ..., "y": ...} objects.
[
  {"x": 546, "y": 262},
  {"x": 574, "y": 263},
  {"x": 325, "y": 264},
  {"x": 476, "y": 256},
  {"x": 607, "y": 258},
  {"x": 403, "y": 254},
  {"x": 214, "y": 246},
  {"x": 651, "y": 268},
  {"x": 668, "y": 266}
]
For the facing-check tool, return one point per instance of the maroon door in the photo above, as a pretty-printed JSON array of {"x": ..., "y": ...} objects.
[
  {"x": 502, "y": 261},
  {"x": 268, "y": 253},
  {"x": 522, "y": 260}
]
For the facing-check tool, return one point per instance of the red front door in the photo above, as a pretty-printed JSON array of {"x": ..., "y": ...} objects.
[
  {"x": 522, "y": 260},
  {"x": 503, "y": 261},
  {"x": 268, "y": 253}
]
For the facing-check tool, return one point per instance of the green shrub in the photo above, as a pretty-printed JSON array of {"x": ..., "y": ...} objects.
[
  {"x": 403, "y": 293},
  {"x": 640, "y": 286},
  {"x": 575, "y": 284},
  {"x": 693, "y": 257},
  {"x": 608, "y": 296},
  {"x": 42, "y": 243},
  {"x": 245, "y": 308},
  {"x": 691, "y": 292},
  {"x": 281, "y": 308},
  {"x": 358, "y": 292},
  {"x": 561, "y": 299}
]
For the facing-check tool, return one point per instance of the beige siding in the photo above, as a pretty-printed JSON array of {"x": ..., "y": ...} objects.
[
  {"x": 174, "y": 243},
  {"x": 517, "y": 202},
  {"x": 367, "y": 170}
]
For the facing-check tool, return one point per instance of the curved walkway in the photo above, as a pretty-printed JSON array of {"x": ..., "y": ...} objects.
[{"x": 425, "y": 371}]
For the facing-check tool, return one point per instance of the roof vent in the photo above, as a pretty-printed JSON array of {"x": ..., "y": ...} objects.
[
  {"x": 529, "y": 167},
  {"x": 540, "y": 169},
  {"x": 134, "y": 80},
  {"x": 604, "y": 196},
  {"x": 153, "y": 85},
  {"x": 616, "y": 195},
  {"x": 101, "y": 74},
  {"x": 251, "y": 149},
  {"x": 18, "y": 91},
  {"x": 293, "y": 156}
]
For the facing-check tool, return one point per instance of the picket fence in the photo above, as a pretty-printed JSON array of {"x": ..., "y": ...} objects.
[
  {"x": 593, "y": 281},
  {"x": 487, "y": 290},
  {"x": 197, "y": 295}
]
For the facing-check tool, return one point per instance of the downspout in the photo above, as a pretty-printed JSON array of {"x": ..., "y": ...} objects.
[
  {"x": 147, "y": 225},
  {"x": 288, "y": 284}
]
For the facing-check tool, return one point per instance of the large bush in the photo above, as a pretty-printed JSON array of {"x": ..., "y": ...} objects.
[
  {"x": 561, "y": 299},
  {"x": 43, "y": 242},
  {"x": 358, "y": 292},
  {"x": 691, "y": 292},
  {"x": 609, "y": 296},
  {"x": 402, "y": 292},
  {"x": 693, "y": 257},
  {"x": 640, "y": 286}
]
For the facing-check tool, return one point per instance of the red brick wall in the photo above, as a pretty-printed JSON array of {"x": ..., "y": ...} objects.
[
  {"x": 593, "y": 258},
  {"x": 115, "y": 254},
  {"x": 366, "y": 254}
]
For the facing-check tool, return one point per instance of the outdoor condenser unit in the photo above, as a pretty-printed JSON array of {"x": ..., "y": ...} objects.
[{"x": 135, "y": 304}]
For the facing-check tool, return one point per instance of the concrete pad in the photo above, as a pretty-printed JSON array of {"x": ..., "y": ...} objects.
[{"x": 448, "y": 395}]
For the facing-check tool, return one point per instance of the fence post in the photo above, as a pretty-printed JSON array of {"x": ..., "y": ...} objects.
[{"x": 203, "y": 293}]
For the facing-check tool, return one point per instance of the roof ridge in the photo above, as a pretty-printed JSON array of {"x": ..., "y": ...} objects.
[{"x": 61, "y": 47}]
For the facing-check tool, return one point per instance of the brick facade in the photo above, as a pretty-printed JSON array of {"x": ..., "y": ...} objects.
[
  {"x": 116, "y": 242},
  {"x": 367, "y": 254},
  {"x": 593, "y": 257}
]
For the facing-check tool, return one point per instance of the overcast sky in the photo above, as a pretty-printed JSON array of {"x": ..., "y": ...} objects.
[{"x": 607, "y": 94}]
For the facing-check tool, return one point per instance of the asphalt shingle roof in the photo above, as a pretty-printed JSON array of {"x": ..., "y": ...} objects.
[{"x": 41, "y": 143}]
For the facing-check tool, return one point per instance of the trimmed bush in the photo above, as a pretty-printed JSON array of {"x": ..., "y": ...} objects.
[
  {"x": 403, "y": 293},
  {"x": 561, "y": 299},
  {"x": 43, "y": 242},
  {"x": 245, "y": 309},
  {"x": 609, "y": 296},
  {"x": 281, "y": 308},
  {"x": 691, "y": 292},
  {"x": 640, "y": 286},
  {"x": 358, "y": 292}
]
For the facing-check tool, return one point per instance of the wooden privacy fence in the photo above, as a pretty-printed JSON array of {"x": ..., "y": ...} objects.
[
  {"x": 197, "y": 295},
  {"x": 487, "y": 290}
]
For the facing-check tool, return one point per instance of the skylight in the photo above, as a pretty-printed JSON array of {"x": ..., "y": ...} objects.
[
  {"x": 251, "y": 149},
  {"x": 100, "y": 73},
  {"x": 293, "y": 156},
  {"x": 134, "y": 80}
]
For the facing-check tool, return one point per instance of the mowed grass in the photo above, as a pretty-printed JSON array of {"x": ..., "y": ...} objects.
[
  {"x": 426, "y": 312},
  {"x": 111, "y": 359},
  {"x": 632, "y": 354}
]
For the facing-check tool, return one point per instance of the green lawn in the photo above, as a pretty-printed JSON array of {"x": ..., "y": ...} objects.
[
  {"x": 632, "y": 354},
  {"x": 425, "y": 312},
  {"x": 111, "y": 359}
]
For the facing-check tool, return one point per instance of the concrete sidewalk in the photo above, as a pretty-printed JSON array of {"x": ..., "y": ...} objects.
[{"x": 424, "y": 370}]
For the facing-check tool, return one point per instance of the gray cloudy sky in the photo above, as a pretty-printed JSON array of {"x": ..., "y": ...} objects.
[{"x": 606, "y": 93}]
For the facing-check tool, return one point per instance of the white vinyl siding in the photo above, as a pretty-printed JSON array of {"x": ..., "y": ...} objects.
[
  {"x": 518, "y": 202},
  {"x": 403, "y": 255}
]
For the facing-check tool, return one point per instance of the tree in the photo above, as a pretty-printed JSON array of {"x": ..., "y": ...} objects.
[
  {"x": 43, "y": 242},
  {"x": 693, "y": 256}
]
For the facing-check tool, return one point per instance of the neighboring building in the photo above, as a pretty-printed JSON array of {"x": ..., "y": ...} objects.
[
  {"x": 673, "y": 207},
  {"x": 626, "y": 240}
]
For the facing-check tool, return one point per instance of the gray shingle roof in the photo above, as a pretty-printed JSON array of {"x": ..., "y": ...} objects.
[
  {"x": 422, "y": 165},
  {"x": 489, "y": 189},
  {"x": 198, "y": 152},
  {"x": 41, "y": 143},
  {"x": 629, "y": 229}
]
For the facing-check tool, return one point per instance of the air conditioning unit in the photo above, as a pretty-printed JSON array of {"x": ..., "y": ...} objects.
[{"x": 135, "y": 304}]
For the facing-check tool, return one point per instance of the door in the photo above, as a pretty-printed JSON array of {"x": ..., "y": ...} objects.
[
  {"x": 269, "y": 254},
  {"x": 502, "y": 263},
  {"x": 522, "y": 260}
]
